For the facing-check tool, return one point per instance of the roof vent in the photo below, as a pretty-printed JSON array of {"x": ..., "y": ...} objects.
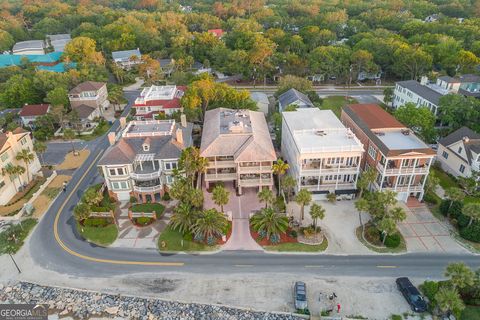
[
  {"x": 320, "y": 133},
  {"x": 405, "y": 132},
  {"x": 466, "y": 139},
  {"x": 380, "y": 133}
]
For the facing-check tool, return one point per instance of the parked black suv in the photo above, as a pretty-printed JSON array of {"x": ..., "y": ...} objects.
[{"x": 411, "y": 294}]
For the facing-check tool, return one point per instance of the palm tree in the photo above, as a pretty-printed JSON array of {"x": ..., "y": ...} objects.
[
  {"x": 81, "y": 211},
  {"x": 220, "y": 196},
  {"x": 454, "y": 194},
  {"x": 27, "y": 157},
  {"x": 303, "y": 198},
  {"x": 210, "y": 225},
  {"x": 195, "y": 197},
  {"x": 362, "y": 205},
  {"x": 191, "y": 162},
  {"x": 40, "y": 147},
  {"x": 11, "y": 171},
  {"x": 183, "y": 218},
  {"x": 266, "y": 195},
  {"x": 270, "y": 222},
  {"x": 387, "y": 226},
  {"x": 69, "y": 134},
  {"x": 280, "y": 168},
  {"x": 288, "y": 185},
  {"x": 366, "y": 178},
  {"x": 460, "y": 275},
  {"x": 316, "y": 212},
  {"x": 448, "y": 300},
  {"x": 472, "y": 210}
]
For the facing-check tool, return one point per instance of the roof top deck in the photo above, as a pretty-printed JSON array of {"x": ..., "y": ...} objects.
[
  {"x": 157, "y": 93},
  {"x": 149, "y": 128},
  {"x": 235, "y": 122}
]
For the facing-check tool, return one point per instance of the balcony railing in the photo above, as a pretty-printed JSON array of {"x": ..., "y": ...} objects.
[
  {"x": 334, "y": 169},
  {"x": 221, "y": 164},
  {"x": 403, "y": 170},
  {"x": 255, "y": 182},
  {"x": 329, "y": 186},
  {"x": 145, "y": 176},
  {"x": 220, "y": 176},
  {"x": 403, "y": 188},
  {"x": 147, "y": 189},
  {"x": 255, "y": 169}
]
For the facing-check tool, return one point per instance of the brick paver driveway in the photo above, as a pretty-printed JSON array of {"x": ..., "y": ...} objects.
[
  {"x": 424, "y": 233},
  {"x": 240, "y": 207}
]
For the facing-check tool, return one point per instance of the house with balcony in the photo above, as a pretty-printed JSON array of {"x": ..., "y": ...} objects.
[
  {"x": 158, "y": 99},
  {"x": 324, "y": 156},
  {"x": 459, "y": 152},
  {"x": 401, "y": 159},
  {"x": 238, "y": 147},
  {"x": 89, "y": 99},
  {"x": 142, "y": 156},
  {"x": 11, "y": 143},
  {"x": 126, "y": 59}
]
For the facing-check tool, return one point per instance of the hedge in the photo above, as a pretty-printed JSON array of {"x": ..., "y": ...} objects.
[
  {"x": 471, "y": 232},
  {"x": 96, "y": 222},
  {"x": 392, "y": 241}
]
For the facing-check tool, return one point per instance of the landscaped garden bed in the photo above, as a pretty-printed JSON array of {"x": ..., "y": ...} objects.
[
  {"x": 149, "y": 207},
  {"x": 394, "y": 243},
  {"x": 101, "y": 231},
  {"x": 12, "y": 239}
]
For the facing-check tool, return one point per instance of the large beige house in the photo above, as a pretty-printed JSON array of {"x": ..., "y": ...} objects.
[
  {"x": 324, "y": 156},
  {"x": 238, "y": 147},
  {"x": 11, "y": 143},
  {"x": 89, "y": 99}
]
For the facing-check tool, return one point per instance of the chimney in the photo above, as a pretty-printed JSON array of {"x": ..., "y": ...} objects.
[
  {"x": 111, "y": 138},
  {"x": 466, "y": 139},
  {"x": 183, "y": 120},
  {"x": 179, "y": 136},
  {"x": 424, "y": 80},
  {"x": 123, "y": 122}
]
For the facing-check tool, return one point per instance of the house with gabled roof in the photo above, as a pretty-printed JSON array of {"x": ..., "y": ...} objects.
[
  {"x": 89, "y": 99},
  {"x": 30, "y": 112},
  {"x": 126, "y": 59},
  {"x": 459, "y": 152},
  {"x": 238, "y": 147},
  {"x": 293, "y": 97}
]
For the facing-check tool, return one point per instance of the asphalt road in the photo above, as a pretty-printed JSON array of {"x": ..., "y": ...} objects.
[{"x": 56, "y": 245}]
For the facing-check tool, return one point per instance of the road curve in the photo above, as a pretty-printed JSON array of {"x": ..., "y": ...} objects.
[{"x": 56, "y": 245}]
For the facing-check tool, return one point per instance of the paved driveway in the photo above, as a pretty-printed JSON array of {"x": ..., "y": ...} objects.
[
  {"x": 424, "y": 233},
  {"x": 240, "y": 208},
  {"x": 56, "y": 151}
]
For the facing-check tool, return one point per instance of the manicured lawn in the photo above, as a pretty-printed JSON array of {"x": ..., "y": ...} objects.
[
  {"x": 298, "y": 247},
  {"x": 100, "y": 130},
  {"x": 149, "y": 207},
  {"x": 445, "y": 180},
  {"x": 471, "y": 313},
  {"x": 173, "y": 242},
  {"x": 12, "y": 239},
  {"x": 103, "y": 236},
  {"x": 402, "y": 247},
  {"x": 335, "y": 103}
]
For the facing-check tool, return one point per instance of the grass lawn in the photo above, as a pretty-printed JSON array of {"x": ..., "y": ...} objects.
[
  {"x": 402, "y": 247},
  {"x": 445, "y": 180},
  {"x": 11, "y": 240},
  {"x": 103, "y": 236},
  {"x": 335, "y": 103},
  {"x": 471, "y": 313},
  {"x": 100, "y": 130},
  {"x": 173, "y": 242},
  {"x": 298, "y": 247},
  {"x": 149, "y": 207}
]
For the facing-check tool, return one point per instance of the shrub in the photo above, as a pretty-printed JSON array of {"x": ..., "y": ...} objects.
[
  {"x": 143, "y": 220},
  {"x": 332, "y": 197},
  {"x": 96, "y": 222},
  {"x": 279, "y": 204},
  {"x": 133, "y": 199},
  {"x": 309, "y": 232},
  {"x": 274, "y": 238},
  {"x": 393, "y": 240},
  {"x": 444, "y": 206},
  {"x": 462, "y": 220},
  {"x": 456, "y": 209},
  {"x": 188, "y": 237},
  {"x": 293, "y": 234},
  {"x": 432, "y": 198},
  {"x": 166, "y": 197},
  {"x": 429, "y": 289},
  {"x": 471, "y": 233}
]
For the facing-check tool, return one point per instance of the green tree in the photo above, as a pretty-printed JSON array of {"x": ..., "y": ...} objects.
[
  {"x": 366, "y": 178},
  {"x": 292, "y": 82},
  {"x": 191, "y": 163},
  {"x": 92, "y": 197},
  {"x": 269, "y": 222},
  {"x": 6, "y": 40},
  {"x": 420, "y": 119},
  {"x": 316, "y": 212},
  {"x": 210, "y": 225},
  {"x": 460, "y": 275},
  {"x": 303, "y": 198},
  {"x": 58, "y": 97},
  {"x": 388, "y": 95},
  {"x": 280, "y": 168},
  {"x": 432, "y": 182},
  {"x": 472, "y": 210},
  {"x": 83, "y": 50},
  {"x": 17, "y": 91},
  {"x": 457, "y": 110},
  {"x": 362, "y": 205},
  {"x": 411, "y": 62},
  {"x": 12, "y": 172},
  {"x": 69, "y": 134},
  {"x": 27, "y": 157},
  {"x": 448, "y": 300},
  {"x": 183, "y": 218},
  {"x": 40, "y": 147},
  {"x": 454, "y": 194},
  {"x": 266, "y": 195},
  {"x": 288, "y": 184},
  {"x": 220, "y": 196},
  {"x": 81, "y": 211}
]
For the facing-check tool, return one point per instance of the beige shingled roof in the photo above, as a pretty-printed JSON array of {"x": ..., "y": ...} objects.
[{"x": 251, "y": 145}]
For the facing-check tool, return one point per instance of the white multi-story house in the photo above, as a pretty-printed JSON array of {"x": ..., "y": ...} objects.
[
  {"x": 238, "y": 147},
  {"x": 324, "y": 156},
  {"x": 141, "y": 158},
  {"x": 459, "y": 152},
  {"x": 89, "y": 99},
  {"x": 158, "y": 99},
  {"x": 127, "y": 58},
  {"x": 11, "y": 143},
  {"x": 402, "y": 161}
]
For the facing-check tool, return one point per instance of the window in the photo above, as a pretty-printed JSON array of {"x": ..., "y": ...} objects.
[
  {"x": 170, "y": 165},
  {"x": 119, "y": 185},
  {"x": 146, "y": 147},
  {"x": 460, "y": 149},
  {"x": 116, "y": 171},
  {"x": 372, "y": 152},
  {"x": 169, "y": 179},
  {"x": 462, "y": 168},
  {"x": 23, "y": 141},
  {"x": 2, "y": 183},
  {"x": 445, "y": 154},
  {"x": 113, "y": 172},
  {"x": 4, "y": 156}
]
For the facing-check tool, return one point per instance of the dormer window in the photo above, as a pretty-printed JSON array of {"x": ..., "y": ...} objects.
[
  {"x": 146, "y": 147},
  {"x": 460, "y": 149}
]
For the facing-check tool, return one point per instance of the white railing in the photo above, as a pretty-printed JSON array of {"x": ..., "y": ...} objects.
[
  {"x": 403, "y": 170},
  {"x": 220, "y": 176},
  {"x": 255, "y": 182},
  {"x": 146, "y": 176},
  {"x": 411, "y": 188},
  {"x": 329, "y": 186},
  {"x": 247, "y": 169},
  {"x": 221, "y": 164},
  {"x": 316, "y": 171},
  {"x": 147, "y": 189}
]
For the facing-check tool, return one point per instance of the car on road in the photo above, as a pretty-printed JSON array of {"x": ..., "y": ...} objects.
[
  {"x": 411, "y": 294},
  {"x": 300, "y": 295}
]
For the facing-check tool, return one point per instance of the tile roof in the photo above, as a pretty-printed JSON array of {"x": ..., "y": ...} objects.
[
  {"x": 84, "y": 111},
  {"x": 252, "y": 144},
  {"x": 375, "y": 117},
  {"x": 291, "y": 96},
  {"x": 423, "y": 91},
  {"x": 472, "y": 144},
  {"x": 87, "y": 86},
  {"x": 32, "y": 110}
]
